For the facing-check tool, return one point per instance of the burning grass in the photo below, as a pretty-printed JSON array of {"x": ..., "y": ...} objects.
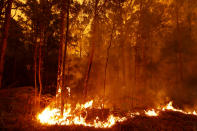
[
  {"x": 79, "y": 115},
  {"x": 13, "y": 117}
]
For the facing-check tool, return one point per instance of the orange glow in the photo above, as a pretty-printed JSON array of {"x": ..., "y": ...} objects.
[
  {"x": 77, "y": 115},
  {"x": 151, "y": 113},
  {"x": 170, "y": 107},
  {"x": 52, "y": 116}
]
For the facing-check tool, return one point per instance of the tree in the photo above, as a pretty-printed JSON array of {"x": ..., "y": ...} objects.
[
  {"x": 94, "y": 30},
  {"x": 64, "y": 30},
  {"x": 4, "y": 39},
  {"x": 107, "y": 59}
]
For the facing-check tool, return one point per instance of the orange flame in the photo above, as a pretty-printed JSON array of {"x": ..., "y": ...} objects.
[
  {"x": 151, "y": 113},
  {"x": 170, "y": 107},
  {"x": 52, "y": 116},
  {"x": 75, "y": 116}
]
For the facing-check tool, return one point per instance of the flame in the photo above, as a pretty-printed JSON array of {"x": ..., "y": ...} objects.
[
  {"x": 194, "y": 113},
  {"x": 151, "y": 113},
  {"x": 170, "y": 107},
  {"x": 77, "y": 115},
  {"x": 52, "y": 116},
  {"x": 88, "y": 104},
  {"x": 58, "y": 92},
  {"x": 68, "y": 88}
]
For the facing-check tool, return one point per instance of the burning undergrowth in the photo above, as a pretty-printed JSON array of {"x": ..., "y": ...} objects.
[
  {"x": 89, "y": 115},
  {"x": 80, "y": 114}
]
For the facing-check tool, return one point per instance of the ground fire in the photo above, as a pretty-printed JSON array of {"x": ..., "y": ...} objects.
[{"x": 78, "y": 115}]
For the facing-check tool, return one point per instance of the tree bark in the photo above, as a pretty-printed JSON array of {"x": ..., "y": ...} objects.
[{"x": 5, "y": 37}]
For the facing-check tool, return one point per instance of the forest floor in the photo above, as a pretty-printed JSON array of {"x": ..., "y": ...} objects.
[{"x": 17, "y": 113}]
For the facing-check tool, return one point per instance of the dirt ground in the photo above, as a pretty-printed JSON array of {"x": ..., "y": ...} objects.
[{"x": 17, "y": 113}]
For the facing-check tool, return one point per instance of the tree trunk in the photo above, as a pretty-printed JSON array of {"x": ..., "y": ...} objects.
[
  {"x": 40, "y": 63},
  {"x": 61, "y": 49},
  {"x": 35, "y": 68},
  {"x": 107, "y": 59},
  {"x": 64, "y": 57},
  {"x": 92, "y": 50},
  {"x": 63, "y": 46},
  {"x": 5, "y": 37},
  {"x": 179, "y": 54}
]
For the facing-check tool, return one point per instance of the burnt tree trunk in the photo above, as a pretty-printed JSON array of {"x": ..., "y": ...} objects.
[{"x": 5, "y": 37}]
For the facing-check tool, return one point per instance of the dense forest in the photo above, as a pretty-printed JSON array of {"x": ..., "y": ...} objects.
[{"x": 127, "y": 54}]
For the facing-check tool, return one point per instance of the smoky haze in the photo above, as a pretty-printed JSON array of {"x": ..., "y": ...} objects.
[
  {"x": 131, "y": 54},
  {"x": 152, "y": 57}
]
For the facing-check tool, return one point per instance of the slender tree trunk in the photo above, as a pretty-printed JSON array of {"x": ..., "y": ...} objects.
[
  {"x": 107, "y": 59},
  {"x": 63, "y": 45},
  {"x": 35, "y": 68},
  {"x": 58, "y": 90},
  {"x": 65, "y": 53},
  {"x": 130, "y": 76},
  {"x": 179, "y": 54},
  {"x": 135, "y": 73},
  {"x": 5, "y": 37},
  {"x": 92, "y": 50},
  {"x": 40, "y": 62},
  {"x": 61, "y": 53}
]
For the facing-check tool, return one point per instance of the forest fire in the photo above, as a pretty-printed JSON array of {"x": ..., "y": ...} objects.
[
  {"x": 77, "y": 116},
  {"x": 171, "y": 108},
  {"x": 168, "y": 107},
  {"x": 98, "y": 65}
]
